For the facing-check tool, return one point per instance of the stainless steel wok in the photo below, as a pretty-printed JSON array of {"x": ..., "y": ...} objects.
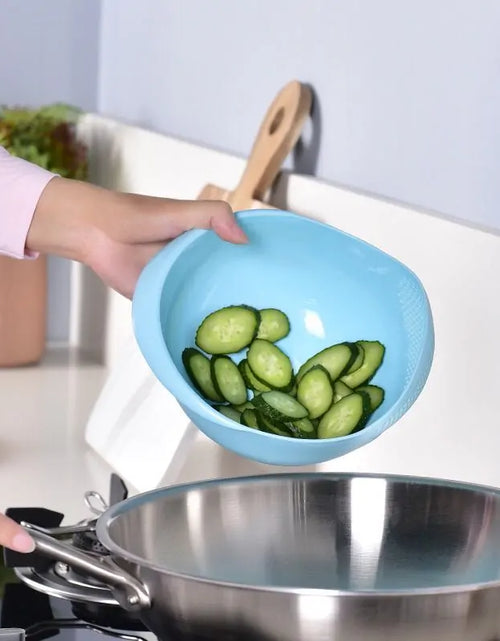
[{"x": 303, "y": 557}]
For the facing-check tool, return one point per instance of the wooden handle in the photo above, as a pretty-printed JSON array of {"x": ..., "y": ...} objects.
[{"x": 277, "y": 136}]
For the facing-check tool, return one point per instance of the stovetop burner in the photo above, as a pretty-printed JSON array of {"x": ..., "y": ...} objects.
[
  {"x": 42, "y": 599},
  {"x": 40, "y": 616}
]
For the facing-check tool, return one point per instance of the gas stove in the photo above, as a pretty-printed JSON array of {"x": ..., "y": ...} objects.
[
  {"x": 34, "y": 616},
  {"x": 36, "y": 600}
]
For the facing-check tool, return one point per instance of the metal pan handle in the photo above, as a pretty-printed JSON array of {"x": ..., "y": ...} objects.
[{"x": 130, "y": 593}]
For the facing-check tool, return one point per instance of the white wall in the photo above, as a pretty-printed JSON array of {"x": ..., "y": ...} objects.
[
  {"x": 408, "y": 94},
  {"x": 49, "y": 51}
]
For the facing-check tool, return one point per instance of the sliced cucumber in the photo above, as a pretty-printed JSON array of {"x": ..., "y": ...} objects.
[
  {"x": 247, "y": 405},
  {"x": 367, "y": 410},
  {"x": 344, "y": 416},
  {"x": 251, "y": 381},
  {"x": 334, "y": 359},
  {"x": 375, "y": 393},
  {"x": 358, "y": 360},
  {"x": 280, "y": 406},
  {"x": 228, "y": 330},
  {"x": 303, "y": 428},
  {"x": 197, "y": 366},
  {"x": 227, "y": 380},
  {"x": 273, "y": 426},
  {"x": 229, "y": 412},
  {"x": 340, "y": 390},
  {"x": 374, "y": 355},
  {"x": 330, "y": 396},
  {"x": 249, "y": 418},
  {"x": 315, "y": 391},
  {"x": 270, "y": 365},
  {"x": 274, "y": 325}
]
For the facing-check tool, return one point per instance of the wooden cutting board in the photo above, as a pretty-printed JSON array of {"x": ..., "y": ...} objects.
[{"x": 277, "y": 136}]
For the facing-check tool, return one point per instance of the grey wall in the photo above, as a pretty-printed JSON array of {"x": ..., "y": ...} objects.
[
  {"x": 408, "y": 94},
  {"x": 49, "y": 52}
]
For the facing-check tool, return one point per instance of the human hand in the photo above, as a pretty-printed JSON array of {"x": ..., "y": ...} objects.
[{"x": 116, "y": 234}]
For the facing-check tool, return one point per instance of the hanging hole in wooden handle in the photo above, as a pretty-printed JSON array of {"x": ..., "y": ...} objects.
[
  {"x": 277, "y": 120},
  {"x": 277, "y": 135}
]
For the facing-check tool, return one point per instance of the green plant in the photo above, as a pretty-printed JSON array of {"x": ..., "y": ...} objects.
[{"x": 46, "y": 137}]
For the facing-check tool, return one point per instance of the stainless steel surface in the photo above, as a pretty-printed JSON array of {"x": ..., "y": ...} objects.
[
  {"x": 95, "y": 502},
  {"x": 63, "y": 530},
  {"x": 314, "y": 557},
  {"x": 128, "y": 591},
  {"x": 54, "y": 584},
  {"x": 327, "y": 532}
]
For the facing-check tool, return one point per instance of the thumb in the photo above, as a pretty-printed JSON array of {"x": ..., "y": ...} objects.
[
  {"x": 14, "y": 537},
  {"x": 221, "y": 219}
]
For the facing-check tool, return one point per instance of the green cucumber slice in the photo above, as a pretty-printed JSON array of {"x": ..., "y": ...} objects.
[
  {"x": 229, "y": 412},
  {"x": 358, "y": 360},
  {"x": 247, "y": 405},
  {"x": 280, "y": 406},
  {"x": 251, "y": 381},
  {"x": 303, "y": 428},
  {"x": 367, "y": 411},
  {"x": 227, "y": 380},
  {"x": 375, "y": 393},
  {"x": 344, "y": 416},
  {"x": 334, "y": 359},
  {"x": 340, "y": 390},
  {"x": 315, "y": 391},
  {"x": 270, "y": 365},
  {"x": 197, "y": 366},
  {"x": 273, "y": 426},
  {"x": 374, "y": 355},
  {"x": 274, "y": 325},
  {"x": 228, "y": 330},
  {"x": 249, "y": 418}
]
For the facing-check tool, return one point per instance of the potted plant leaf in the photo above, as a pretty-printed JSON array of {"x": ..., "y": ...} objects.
[{"x": 47, "y": 137}]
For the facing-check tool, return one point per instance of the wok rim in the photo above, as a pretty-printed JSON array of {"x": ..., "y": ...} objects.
[{"x": 105, "y": 520}]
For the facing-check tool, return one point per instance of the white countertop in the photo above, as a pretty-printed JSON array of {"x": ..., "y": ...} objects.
[{"x": 44, "y": 461}]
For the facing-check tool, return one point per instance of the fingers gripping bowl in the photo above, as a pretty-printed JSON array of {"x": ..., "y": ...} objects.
[{"x": 333, "y": 287}]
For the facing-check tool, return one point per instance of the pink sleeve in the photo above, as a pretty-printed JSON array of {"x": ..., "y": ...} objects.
[{"x": 21, "y": 185}]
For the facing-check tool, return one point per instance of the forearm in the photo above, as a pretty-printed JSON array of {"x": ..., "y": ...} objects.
[
  {"x": 114, "y": 233},
  {"x": 65, "y": 222}
]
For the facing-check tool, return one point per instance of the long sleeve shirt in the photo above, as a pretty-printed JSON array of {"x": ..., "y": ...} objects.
[{"x": 21, "y": 185}]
